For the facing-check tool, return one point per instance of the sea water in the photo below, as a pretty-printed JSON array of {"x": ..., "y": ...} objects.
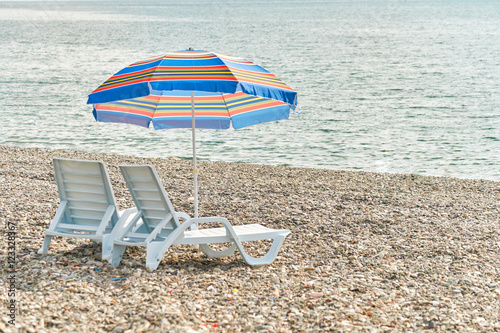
[{"x": 385, "y": 86}]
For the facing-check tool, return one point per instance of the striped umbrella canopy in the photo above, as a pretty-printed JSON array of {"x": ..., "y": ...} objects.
[{"x": 193, "y": 89}]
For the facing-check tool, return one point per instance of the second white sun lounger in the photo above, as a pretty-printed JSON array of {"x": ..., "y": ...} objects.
[
  {"x": 156, "y": 226},
  {"x": 88, "y": 207}
]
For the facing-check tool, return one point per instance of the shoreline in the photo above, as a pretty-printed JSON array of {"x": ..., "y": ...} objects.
[
  {"x": 200, "y": 159},
  {"x": 367, "y": 252}
]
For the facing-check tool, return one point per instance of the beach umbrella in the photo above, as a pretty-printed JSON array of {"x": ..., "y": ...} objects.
[{"x": 193, "y": 89}]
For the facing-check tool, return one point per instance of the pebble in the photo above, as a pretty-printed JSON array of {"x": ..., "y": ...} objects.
[{"x": 368, "y": 252}]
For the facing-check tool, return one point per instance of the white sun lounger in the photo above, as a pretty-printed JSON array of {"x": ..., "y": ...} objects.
[
  {"x": 88, "y": 207},
  {"x": 156, "y": 226}
]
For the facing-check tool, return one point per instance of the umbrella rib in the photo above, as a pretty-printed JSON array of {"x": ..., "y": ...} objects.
[
  {"x": 157, "y": 103},
  {"x": 227, "y": 106}
]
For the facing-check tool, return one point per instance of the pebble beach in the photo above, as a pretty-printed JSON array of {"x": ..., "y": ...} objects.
[{"x": 367, "y": 252}]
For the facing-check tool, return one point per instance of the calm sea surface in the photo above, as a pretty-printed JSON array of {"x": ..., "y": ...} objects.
[{"x": 389, "y": 86}]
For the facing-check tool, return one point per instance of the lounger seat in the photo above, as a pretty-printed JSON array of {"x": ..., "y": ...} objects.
[{"x": 249, "y": 232}]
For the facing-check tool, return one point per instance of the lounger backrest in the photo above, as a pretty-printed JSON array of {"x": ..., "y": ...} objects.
[
  {"x": 86, "y": 188},
  {"x": 150, "y": 197}
]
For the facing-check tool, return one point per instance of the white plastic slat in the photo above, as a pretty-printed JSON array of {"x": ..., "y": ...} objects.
[
  {"x": 142, "y": 180},
  {"x": 79, "y": 190},
  {"x": 86, "y": 217},
  {"x": 80, "y": 227},
  {"x": 87, "y": 200},
  {"x": 156, "y": 209},
  {"x": 81, "y": 173},
  {"x": 82, "y": 182},
  {"x": 152, "y": 217},
  {"x": 149, "y": 199},
  {"x": 88, "y": 209},
  {"x": 137, "y": 235}
]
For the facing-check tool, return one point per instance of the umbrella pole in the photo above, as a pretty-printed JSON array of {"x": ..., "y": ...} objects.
[{"x": 195, "y": 170}]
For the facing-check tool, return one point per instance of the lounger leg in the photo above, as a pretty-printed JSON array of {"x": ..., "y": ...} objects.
[
  {"x": 154, "y": 254},
  {"x": 107, "y": 247},
  {"x": 117, "y": 254},
  {"x": 268, "y": 258},
  {"x": 108, "y": 239},
  {"x": 152, "y": 262},
  {"x": 205, "y": 248},
  {"x": 265, "y": 260},
  {"x": 45, "y": 246}
]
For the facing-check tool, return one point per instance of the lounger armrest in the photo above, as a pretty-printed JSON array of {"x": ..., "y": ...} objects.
[
  {"x": 125, "y": 228},
  {"x": 117, "y": 231},
  {"x": 122, "y": 224},
  {"x": 125, "y": 215},
  {"x": 158, "y": 228},
  {"x": 186, "y": 218},
  {"x": 183, "y": 216},
  {"x": 59, "y": 214},
  {"x": 106, "y": 219}
]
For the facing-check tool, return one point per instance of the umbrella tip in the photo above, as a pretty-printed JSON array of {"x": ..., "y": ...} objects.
[{"x": 190, "y": 49}]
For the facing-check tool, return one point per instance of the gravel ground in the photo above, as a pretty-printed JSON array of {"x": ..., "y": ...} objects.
[{"x": 368, "y": 252}]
